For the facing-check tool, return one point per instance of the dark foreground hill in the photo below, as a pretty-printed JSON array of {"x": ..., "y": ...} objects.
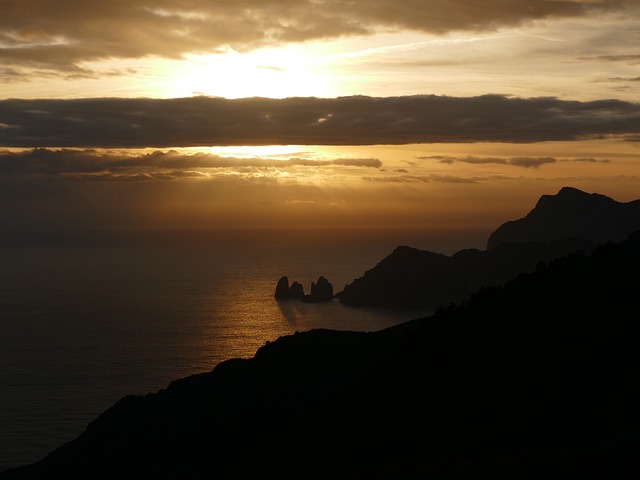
[
  {"x": 537, "y": 379},
  {"x": 559, "y": 224}
]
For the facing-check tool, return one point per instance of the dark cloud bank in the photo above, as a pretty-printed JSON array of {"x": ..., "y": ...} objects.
[{"x": 355, "y": 120}]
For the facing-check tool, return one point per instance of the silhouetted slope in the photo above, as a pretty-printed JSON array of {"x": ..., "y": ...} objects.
[
  {"x": 571, "y": 213},
  {"x": 399, "y": 280},
  {"x": 559, "y": 224},
  {"x": 413, "y": 277},
  {"x": 535, "y": 379}
]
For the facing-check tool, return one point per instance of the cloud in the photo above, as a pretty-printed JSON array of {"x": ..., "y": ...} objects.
[
  {"x": 62, "y": 35},
  {"x": 420, "y": 179},
  {"x": 526, "y": 162},
  {"x": 531, "y": 162},
  {"x": 467, "y": 159},
  {"x": 624, "y": 79},
  {"x": 354, "y": 120},
  {"x": 630, "y": 59},
  {"x": 587, "y": 160},
  {"x": 159, "y": 165}
]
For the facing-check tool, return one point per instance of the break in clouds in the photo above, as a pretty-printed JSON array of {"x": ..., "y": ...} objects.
[
  {"x": 59, "y": 36},
  {"x": 355, "y": 120}
]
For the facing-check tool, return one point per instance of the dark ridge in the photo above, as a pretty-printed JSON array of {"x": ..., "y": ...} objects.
[
  {"x": 571, "y": 213},
  {"x": 569, "y": 221},
  {"x": 412, "y": 277}
]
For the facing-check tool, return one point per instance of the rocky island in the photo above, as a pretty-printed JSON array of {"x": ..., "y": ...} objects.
[{"x": 321, "y": 291}]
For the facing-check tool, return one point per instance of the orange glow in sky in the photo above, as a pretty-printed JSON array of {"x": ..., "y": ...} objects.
[{"x": 442, "y": 115}]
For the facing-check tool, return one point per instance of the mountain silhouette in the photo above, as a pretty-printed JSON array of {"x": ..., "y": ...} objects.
[
  {"x": 534, "y": 379},
  {"x": 571, "y": 213},
  {"x": 569, "y": 221}
]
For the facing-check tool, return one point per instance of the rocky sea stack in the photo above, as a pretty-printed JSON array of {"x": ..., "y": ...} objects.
[{"x": 321, "y": 291}]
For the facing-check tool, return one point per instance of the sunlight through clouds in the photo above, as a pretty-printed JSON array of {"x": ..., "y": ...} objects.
[
  {"x": 275, "y": 73},
  {"x": 423, "y": 112},
  {"x": 245, "y": 151}
]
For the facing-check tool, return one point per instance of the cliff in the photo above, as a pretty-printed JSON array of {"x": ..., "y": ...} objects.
[{"x": 559, "y": 224}]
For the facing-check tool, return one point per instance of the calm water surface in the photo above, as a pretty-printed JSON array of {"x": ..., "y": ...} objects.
[{"x": 84, "y": 326}]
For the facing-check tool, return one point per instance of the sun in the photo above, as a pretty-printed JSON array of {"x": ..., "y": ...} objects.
[{"x": 275, "y": 73}]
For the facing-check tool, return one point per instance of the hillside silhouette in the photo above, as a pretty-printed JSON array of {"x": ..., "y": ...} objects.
[
  {"x": 569, "y": 221},
  {"x": 571, "y": 213},
  {"x": 534, "y": 379}
]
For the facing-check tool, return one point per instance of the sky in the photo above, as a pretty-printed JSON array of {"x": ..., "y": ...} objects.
[{"x": 448, "y": 118}]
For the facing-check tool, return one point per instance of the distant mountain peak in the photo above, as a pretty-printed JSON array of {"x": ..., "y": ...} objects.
[
  {"x": 572, "y": 198},
  {"x": 573, "y": 191},
  {"x": 571, "y": 213}
]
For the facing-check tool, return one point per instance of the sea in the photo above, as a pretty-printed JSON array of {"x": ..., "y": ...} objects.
[{"x": 86, "y": 320}]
